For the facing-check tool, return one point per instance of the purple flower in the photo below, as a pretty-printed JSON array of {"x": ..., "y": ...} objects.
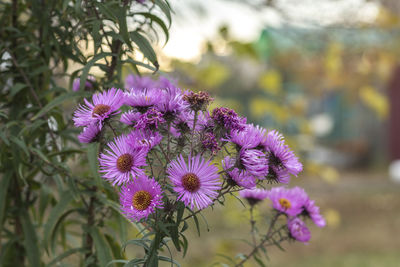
[
  {"x": 311, "y": 210},
  {"x": 184, "y": 122},
  {"x": 209, "y": 142},
  {"x": 122, "y": 161},
  {"x": 171, "y": 103},
  {"x": 143, "y": 138},
  {"x": 278, "y": 175},
  {"x": 140, "y": 198},
  {"x": 298, "y": 230},
  {"x": 144, "y": 99},
  {"x": 90, "y": 133},
  {"x": 196, "y": 182},
  {"x": 253, "y": 196},
  {"x": 255, "y": 162},
  {"x": 239, "y": 177},
  {"x": 251, "y": 137},
  {"x": 164, "y": 83},
  {"x": 280, "y": 155},
  {"x": 150, "y": 119},
  {"x": 104, "y": 105},
  {"x": 137, "y": 83},
  {"x": 88, "y": 84},
  {"x": 197, "y": 101},
  {"x": 288, "y": 201},
  {"x": 228, "y": 119},
  {"x": 130, "y": 117}
]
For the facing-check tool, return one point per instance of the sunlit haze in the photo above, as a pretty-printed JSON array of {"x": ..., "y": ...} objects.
[{"x": 190, "y": 28}]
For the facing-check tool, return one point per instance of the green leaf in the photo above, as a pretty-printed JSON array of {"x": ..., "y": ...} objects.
[
  {"x": 103, "y": 250},
  {"x": 17, "y": 88},
  {"x": 181, "y": 209},
  {"x": 165, "y": 8},
  {"x": 65, "y": 254},
  {"x": 123, "y": 28},
  {"x": 258, "y": 260},
  {"x": 93, "y": 154},
  {"x": 4, "y": 183},
  {"x": 163, "y": 258},
  {"x": 59, "y": 100},
  {"x": 138, "y": 242},
  {"x": 86, "y": 69},
  {"x": 20, "y": 143},
  {"x": 117, "y": 261},
  {"x": 135, "y": 63},
  {"x": 30, "y": 240},
  {"x": 55, "y": 214},
  {"x": 185, "y": 245},
  {"x": 134, "y": 262},
  {"x": 156, "y": 20},
  {"x": 145, "y": 47}
]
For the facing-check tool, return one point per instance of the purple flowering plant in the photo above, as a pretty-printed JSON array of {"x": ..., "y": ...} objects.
[{"x": 169, "y": 157}]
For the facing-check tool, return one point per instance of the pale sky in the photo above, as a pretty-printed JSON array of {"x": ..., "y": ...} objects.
[{"x": 189, "y": 30}]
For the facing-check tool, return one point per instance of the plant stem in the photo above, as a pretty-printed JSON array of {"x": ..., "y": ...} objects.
[
  {"x": 90, "y": 223},
  {"x": 252, "y": 223},
  {"x": 264, "y": 241}
]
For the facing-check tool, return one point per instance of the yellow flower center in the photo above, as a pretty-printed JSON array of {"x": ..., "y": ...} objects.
[
  {"x": 191, "y": 182},
  {"x": 100, "y": 109},
  {"x": 141, "y": 200},
  {"x": 124, "y": 162},
  {"x": 285, "y": 203}
]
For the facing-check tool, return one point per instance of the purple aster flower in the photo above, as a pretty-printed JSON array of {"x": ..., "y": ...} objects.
[
  {"x": 163, "y": 83},
  {"x": 251, "y": 137},
  {"x": 288, "y": 201},
  {"x": 130, "y": 117},
  {"x": 184, "y": 122},
  {"x": 298, "y": 230},
  {"x": 104, "y": 105},
  {"x": 228, "y": 119},
  {"x": 143, "y": 138},
  {"x": 253, "y": 196},
  {"x": 88, "y": 84},
  {"x": 140, "y": 198},
  {"x": 196, "y": 182},
  {"x": 280, "y": 155},
  {"x": 171, "y": 103},
  {"x": 311, "y": 210},
  {"x": 278, "y": 175},
  {"x": 122, "y": 161},
  {"x": 144, "y": 99},
  {"x": 209, "y": 142},
  {"x": 90, "y": 133},
  {"x": 255, "y": 162},
  {"x": 197, "y": 101},
  {"x": 239, "y": 177},
  {"x": 150, "y": 119},
  {"x": 138, "y": 83}
]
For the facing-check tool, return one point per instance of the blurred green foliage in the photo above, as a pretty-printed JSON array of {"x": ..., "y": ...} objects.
[{"x": 54, "y": 207}]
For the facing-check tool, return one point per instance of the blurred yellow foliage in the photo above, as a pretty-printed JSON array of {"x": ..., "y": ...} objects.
[
  {"x": 227, "y": 102},
  {"x": 271, "y": 82},
  {"x": 259, "y": 107},
  {"x": 387, "y": 18},
  {"x": 375, "y": 100},
  {"x": 213, "y": 75},
  {"x": 329, "y": 174},
  {"x": 333, "y": 218},
  {"x": 333, "y": 59}
]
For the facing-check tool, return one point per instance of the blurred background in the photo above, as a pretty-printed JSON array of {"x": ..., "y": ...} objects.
[{"x": 326, "y": 74}]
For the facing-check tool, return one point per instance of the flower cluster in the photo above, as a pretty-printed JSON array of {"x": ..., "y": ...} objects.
[
  {"x": 292, "y": 202},
  {"x": 163, "y": 151}
]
